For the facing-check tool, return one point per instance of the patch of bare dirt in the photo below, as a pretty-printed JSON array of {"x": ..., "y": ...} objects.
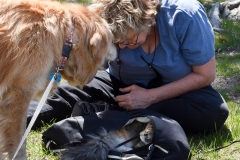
[{"x": 229, "y": 86}]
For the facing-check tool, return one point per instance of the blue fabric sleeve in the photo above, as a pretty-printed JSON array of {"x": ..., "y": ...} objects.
[{"x": 195, "y": 36}]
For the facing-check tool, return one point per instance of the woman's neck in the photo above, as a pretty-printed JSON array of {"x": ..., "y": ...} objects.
[{"x": 151, "y": 41}]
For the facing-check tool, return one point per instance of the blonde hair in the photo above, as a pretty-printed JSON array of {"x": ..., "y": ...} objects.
[{"x": 123, "y": 15}]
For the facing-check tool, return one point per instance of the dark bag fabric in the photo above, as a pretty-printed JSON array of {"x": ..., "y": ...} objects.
[{"x": 169, "y": 140}]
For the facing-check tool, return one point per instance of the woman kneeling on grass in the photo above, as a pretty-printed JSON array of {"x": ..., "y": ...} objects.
[{"x": 165, "y": 63}]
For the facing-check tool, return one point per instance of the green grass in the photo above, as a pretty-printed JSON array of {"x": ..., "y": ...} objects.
[
  {"x": 202, "y": 145},
  {"x": 230, "y": 37},
  {"x": 237, "y": 89},
  {"x": 228, "y": 65},
  {"x": 35, "y": 150}
]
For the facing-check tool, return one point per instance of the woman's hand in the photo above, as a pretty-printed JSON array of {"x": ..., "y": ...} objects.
[{"x": 135, "y": 97}]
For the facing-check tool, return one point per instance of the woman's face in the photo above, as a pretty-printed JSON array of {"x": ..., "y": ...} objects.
[{"x": 133, "y": 40}]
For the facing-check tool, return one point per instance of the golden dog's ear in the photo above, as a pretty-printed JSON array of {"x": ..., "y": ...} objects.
[
  {"x": 96, "y": 38},
  {"x": 97, "y": 47}
]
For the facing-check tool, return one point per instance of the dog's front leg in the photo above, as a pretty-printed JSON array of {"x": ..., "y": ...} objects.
[
  {"x": 13, "y": 110},
  {"x": 21, "y": 155},
  {"x": 3, "y": 156}
]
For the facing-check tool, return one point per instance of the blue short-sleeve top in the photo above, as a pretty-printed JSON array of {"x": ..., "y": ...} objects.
[{"x": 186, "y": 40}]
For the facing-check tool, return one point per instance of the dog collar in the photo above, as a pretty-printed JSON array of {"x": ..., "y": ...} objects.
[{"x": 67, "y": 47}]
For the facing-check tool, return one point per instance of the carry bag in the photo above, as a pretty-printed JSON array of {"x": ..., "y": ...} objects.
[{"x": 169, "y": 141}]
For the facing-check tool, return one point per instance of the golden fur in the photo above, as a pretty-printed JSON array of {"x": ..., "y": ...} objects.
[{"x": 32, "y": 34}]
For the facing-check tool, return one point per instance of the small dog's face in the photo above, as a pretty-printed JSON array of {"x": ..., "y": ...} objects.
[{"x": 92, "y": 46}]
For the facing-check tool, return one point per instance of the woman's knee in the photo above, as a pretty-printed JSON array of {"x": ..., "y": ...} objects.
[{"x": 222, "y": 115}]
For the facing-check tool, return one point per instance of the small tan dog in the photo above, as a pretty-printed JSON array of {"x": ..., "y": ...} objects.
[{"x": 32, "y": 34}]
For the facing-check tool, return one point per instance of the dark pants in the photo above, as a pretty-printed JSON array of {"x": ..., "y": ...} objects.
[{"x": 197, "y": 111}]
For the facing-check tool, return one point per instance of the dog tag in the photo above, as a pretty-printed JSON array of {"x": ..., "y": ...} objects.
[{"x": 57, "y": 77}]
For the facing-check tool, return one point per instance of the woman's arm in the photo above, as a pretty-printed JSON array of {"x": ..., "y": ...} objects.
[
  {"x": 200, "y": 77},
  {"x": 138, "y": 97}
]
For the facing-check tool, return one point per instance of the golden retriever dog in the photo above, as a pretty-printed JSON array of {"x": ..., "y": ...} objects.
[{"x": 32, "y": 35}]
